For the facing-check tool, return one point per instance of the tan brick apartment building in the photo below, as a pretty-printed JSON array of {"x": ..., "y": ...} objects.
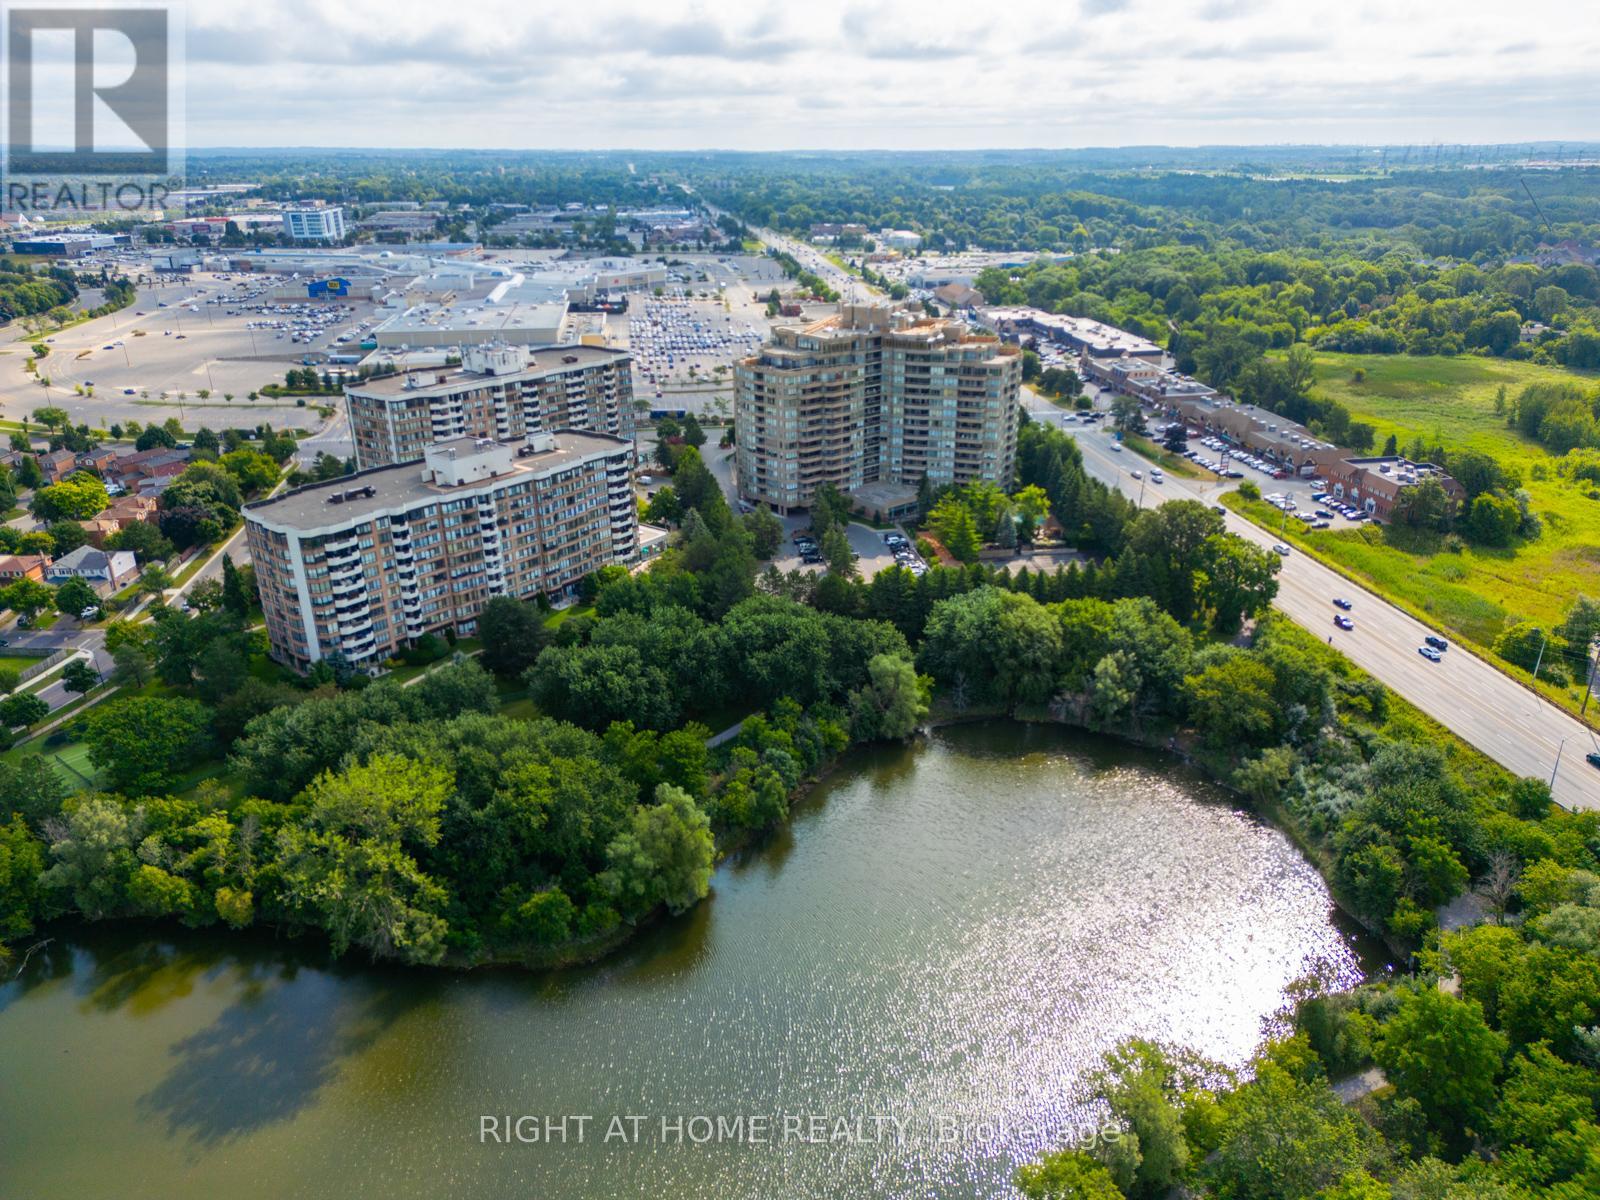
[
  {"x": 873, "y": 396},
  {"x": 496, "y": 393},
  {"x": 367, "y": 564}
]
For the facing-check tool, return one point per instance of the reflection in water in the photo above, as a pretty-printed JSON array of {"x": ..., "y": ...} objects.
[{"x": 948, "y": 934}]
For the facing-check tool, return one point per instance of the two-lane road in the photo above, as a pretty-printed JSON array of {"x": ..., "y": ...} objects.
[{"x": 1489, "y": 710}]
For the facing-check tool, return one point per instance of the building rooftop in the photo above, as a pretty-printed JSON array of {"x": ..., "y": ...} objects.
[
  {"x": 544, "y": 360},
  {"x": 430, "y": 319},
  {"x": 389, "y": 489}
]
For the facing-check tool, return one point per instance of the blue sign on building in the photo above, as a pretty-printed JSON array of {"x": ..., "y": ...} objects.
[{"x": 322, "y": 289}]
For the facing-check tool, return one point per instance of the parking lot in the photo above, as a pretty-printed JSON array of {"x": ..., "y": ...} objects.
[
  {"x": 221, "y": 334},
  {"x": 875, "y": 550}
]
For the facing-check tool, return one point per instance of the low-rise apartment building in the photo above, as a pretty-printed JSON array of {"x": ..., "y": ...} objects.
[
  {"x": 873, "y": 396},
  {"x": 497, "y": 392},
  {"x": 365, "y": 565}
]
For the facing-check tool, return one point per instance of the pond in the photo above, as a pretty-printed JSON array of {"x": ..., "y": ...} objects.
[{"x": 902, "y": 994}]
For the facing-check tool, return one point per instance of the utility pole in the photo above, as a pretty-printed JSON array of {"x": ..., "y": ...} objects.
[
  {"x": 1560, "y": 746},
  {"x": 1539, "y": 659}
]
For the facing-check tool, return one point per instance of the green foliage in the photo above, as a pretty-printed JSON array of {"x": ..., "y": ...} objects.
[
  {"x": 893, "y": 701},
  {"x": 144, "y": 743},
  {"x": 76, "y": 499},
  {"x": 351, "y": 867},
  {"x": 1439, "y": 1051},
  {"x": 1066, "y": 1175}
]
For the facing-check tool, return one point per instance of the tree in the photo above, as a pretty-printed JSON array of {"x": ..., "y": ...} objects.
[
  {"x": 144, "y": 743},
  {"x": 664, "y": 508},
  {"x": 76, "y": 596},
  {"x": 154, "y": 580},
  {"x": 21, "y": 865},
  {"x": 235, "y": 599},
  {"x": 1284, "y": 1139},
  {"x": 1237, "y": 579},
  {"x": 1066, "y": 1175},
  {"x": 1137, "y": 1084},
  {"x": 1438, "y": 1050},
  {"x": 92, "y": 854},
  {"x": 79, "y": 676},
  {"x": 144, "y": 539},
  {"x": 22, "y": 708},
  {"x": 351, "y": 867},
  {"x": 154, "y": 436},
  {"x": 664, "y": 858},
  {"x": 28, "y": 597},
  {"x": 78, "y": 498},
  {"x": 837, "y": 553},
  {"x": 1231, "y": 702},
  {"x": 513, "y": 634},
  {"x": 765, "y": 530},
  {"x": 1127, "y": 413},
  {"x": 1425, "y": 506},
  {"x": 954, "y": 525},
  {"x": 1493, "y": 519},
  {"x": 892, "y": 703}
]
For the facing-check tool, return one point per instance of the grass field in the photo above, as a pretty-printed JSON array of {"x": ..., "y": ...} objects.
[
  {"x": 1440, "y": 588},
  {"x": 1451, "y": 401}
]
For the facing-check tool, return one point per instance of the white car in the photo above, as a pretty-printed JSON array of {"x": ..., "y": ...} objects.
[{"x": 1281, "y": 549}]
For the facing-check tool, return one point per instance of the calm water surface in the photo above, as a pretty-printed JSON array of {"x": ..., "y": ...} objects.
[{"x": 949, "y": 936}]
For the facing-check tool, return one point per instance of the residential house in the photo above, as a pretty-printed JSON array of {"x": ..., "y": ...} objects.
[
  {"x": 22, "y": 566},
  {"x": 104, "y": 570},
  {"x": 56, "y": 465},
  {"x": 129, "y": 509},
  {"x": 97, "y": 461},
  {"x": 129, "y": 469}
]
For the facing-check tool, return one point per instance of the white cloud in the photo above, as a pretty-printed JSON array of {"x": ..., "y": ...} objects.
[{"x": 852, "y": 74}]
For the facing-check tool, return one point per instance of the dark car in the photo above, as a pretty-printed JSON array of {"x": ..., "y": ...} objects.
[
  {"x": 1592, "y": 758},
  {"x": 1341, "y": 602},
  {"x": 1344, "y": 622},
  {"x": 1438, "y": 643},
  {"x": 1324, "y": 514}
]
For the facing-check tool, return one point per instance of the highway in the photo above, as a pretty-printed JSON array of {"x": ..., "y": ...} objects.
[
  {"x": 1521, "y": 731},
  {"x": 1464, "y": 693}
]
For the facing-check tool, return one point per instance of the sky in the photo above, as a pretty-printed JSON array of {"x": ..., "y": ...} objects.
[{"x": 842, "y": 74}]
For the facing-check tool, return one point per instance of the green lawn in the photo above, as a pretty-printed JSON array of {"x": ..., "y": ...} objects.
[
  {"x": 1451, "y": 591},
  {"x": 1451, "y": 400},
  {"x": 1172, "y": 464}
]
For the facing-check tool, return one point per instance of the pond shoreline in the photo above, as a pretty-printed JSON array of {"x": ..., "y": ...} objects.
[{"x": 597, "y": 950}]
